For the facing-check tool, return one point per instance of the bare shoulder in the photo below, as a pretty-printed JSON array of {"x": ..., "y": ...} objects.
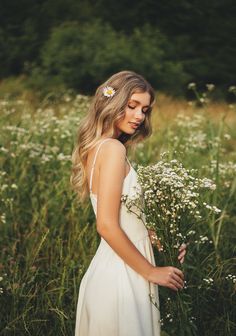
[
  {"x": 111, "y": 148},
  {"x": 114, "y": 143},
  {"x": 110, "y": 182}
]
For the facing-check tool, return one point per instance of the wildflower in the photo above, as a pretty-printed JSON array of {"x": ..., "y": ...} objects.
[
  {"x": 216, "y": 209},
  {"x": 203, "y": 238},
  {"x": 4, "y": 186},
  {"x": 67, "y": 98},
  {"x": 192, "y": 86},
  {"x": 208, "y": 280},
  {"x": 210, "y": 87},
  {"x": 3, "y": 149},
  {"x": 231, "y": 277},
  {"x": 3, "y": 218},
  {"x": 168, "y": 191},
  {"x": 227, "y": 136},
  {"x": 108, "y": 91},
  {"x": 191, "y": 232},
  {"x": 232, "y": 89},
  {"x": 170, "y": 202}
]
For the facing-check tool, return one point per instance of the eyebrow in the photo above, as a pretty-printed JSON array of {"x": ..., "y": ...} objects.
[{"x": 136, "y": 101}]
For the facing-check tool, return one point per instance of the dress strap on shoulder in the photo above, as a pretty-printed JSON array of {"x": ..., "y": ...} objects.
[
  {"x": 128, "y": 161},
  {"x": 95, "y": 156}
]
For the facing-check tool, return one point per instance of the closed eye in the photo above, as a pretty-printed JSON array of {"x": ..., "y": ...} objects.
[{"x": 133, "y": 107}]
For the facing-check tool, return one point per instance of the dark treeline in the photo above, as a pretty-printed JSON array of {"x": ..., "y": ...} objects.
[{"x": 166, "y": 40}]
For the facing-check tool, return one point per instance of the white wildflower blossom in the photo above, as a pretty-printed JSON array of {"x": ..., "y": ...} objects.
[
  {"x": 210, "y": 87},
  {"x": 63, "y": 157},
  {"x": 3, "y": 218},
  {"x": 227, "y": 136},
  {"x": 231, "y": 277},
  {"x": 191, "y": 232},
  {"x": 191, "y": 86},
  {"x": 232, "y": 88},
  {"x": 170, "y": 197},
  {"x": 4, "y": 150},
  {"x": 208, "y": 281},
  {"x": 108, "y": 91}
]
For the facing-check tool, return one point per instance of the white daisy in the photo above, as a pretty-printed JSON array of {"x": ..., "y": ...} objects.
[{"x": 108, "y": 91}]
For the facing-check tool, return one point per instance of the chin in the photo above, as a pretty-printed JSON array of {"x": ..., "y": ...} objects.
[{"x": 129, "y": 132}]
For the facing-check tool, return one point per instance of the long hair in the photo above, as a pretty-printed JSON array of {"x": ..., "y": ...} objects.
[{"x": 103, "y": 114}]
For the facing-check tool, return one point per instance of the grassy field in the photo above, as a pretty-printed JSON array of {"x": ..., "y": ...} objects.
[{"x": 48, "y": 239}]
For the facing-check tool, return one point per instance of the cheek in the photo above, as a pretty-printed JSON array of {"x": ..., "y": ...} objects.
[{"x": 128, "y": 115}]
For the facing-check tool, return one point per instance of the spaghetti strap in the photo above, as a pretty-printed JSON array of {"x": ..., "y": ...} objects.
[
  {"x": 128, "y": 162},
  {"x": 91, "y": 175}
]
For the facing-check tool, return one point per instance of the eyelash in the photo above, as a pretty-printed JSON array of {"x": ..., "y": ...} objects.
[{"x": 134, "y": 108}]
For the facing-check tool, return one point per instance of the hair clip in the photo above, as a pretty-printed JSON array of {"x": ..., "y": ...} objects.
[{"x": 108, "y": 91}]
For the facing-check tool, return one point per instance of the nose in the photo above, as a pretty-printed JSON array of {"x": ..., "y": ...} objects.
[{"x": 139, "y": 114}]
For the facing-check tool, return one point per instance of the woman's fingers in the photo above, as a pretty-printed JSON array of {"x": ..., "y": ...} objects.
[
  {"x": 177, "y": 278},
  {"x": 176, "y": 284},
  {"x": 182, "y": 253},
  {"x": 179, "y": 273},
  {"x": 177, "y": 281},
  {"x": 181, "y": 256},
  {"x": 182, "y": 247},
  {"x": 167, "y": 276}
]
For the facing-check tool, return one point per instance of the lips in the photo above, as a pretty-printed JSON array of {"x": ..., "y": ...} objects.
[{"x": 134, "y": 124}]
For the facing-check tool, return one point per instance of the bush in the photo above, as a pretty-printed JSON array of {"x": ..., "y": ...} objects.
[{"x": 82, "y": 56}]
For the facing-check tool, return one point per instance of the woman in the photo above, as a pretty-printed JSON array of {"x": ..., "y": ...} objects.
[{"x": 116, "y": 290}]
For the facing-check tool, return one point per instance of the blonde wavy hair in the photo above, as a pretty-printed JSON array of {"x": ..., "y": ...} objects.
[{"x": 103, "y": 114}]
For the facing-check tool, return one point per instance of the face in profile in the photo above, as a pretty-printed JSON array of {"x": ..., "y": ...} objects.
[{"x": 135, "y": 111}]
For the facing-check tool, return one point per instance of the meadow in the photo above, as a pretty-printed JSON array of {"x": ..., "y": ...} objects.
[{"x": 48, "y": 238}]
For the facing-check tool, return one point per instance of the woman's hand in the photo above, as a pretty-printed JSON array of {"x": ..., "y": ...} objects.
[
  {"x": 182, "y": 252},
  {"x": 168, "y": 276}
]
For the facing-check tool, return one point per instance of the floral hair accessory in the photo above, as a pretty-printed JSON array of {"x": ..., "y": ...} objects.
[{"x": 108, "y": 91}]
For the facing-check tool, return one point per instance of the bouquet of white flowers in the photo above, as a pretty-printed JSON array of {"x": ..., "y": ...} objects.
[{"x": 171, "y": 200}]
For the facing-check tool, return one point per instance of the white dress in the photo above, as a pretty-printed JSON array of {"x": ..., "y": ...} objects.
[{"x": 113, "y": 298}]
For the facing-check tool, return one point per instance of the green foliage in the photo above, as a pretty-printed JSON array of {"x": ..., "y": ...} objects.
[
  {"x": 200, "y": 47},
  {"x": 81, "y": 56}
]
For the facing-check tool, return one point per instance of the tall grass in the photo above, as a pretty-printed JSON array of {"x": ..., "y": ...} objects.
[{"x": 48, "y": 239}]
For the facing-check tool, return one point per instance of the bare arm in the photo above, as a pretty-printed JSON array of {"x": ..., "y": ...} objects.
[{"x": 111, "y": 177}]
